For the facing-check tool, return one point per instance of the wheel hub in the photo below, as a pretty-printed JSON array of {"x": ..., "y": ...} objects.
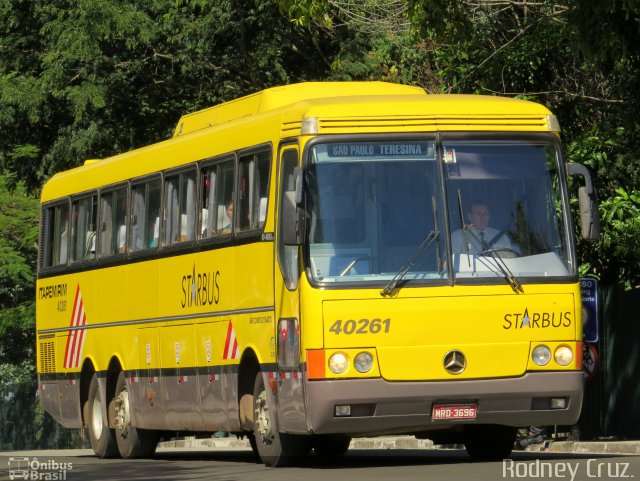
[
  {"x": 121, "y": 407},
  {"x": 263, "y": 421},
  {"x": 96, "y": 417}
]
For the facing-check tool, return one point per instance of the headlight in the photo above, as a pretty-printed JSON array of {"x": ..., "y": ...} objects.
[
  {"x": 541, "y": 355},
  {"x": 563, "y": 355},
  {"x": 338, "y": 363},
  {"x": 363, "y": 362}
]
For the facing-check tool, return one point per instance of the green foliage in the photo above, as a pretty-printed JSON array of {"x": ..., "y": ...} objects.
[
  {"x": 19, "y": 227},
  {"x": 91, "y": 78},
  {"x": 620, "y": 242},
  {"x": 304, "y": 13}
]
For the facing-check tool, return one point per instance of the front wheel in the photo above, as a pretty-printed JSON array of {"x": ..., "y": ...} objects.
[
  {"x": 489, "y": 442},
  {"x": 132, "y": 442},
  {"x": 274, "y": 448},
  {"x": 101, "y": 437}
]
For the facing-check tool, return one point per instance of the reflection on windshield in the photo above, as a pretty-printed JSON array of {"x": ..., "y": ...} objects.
[
  {"x": 370, "y": 207},
  {"x": 372, "y": 204}
]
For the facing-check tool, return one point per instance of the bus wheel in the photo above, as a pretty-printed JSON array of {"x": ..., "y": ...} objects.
[
  {"x": 101, "y": 437},
  {"x": 489, "y": 442},
  {"x": 274, "y": 448},
  {"x": 331, "y": 445},
  {"x": 254, "y": 446},
  {"x": 132, "y": 442}
]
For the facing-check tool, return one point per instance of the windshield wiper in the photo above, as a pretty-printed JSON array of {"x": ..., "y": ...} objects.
[
  {"x": 426, "y": 242},
  {"x": 512, "y": 280}
]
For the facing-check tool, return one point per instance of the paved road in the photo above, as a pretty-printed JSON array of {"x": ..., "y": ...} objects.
[{"x": 373, "y": 465}]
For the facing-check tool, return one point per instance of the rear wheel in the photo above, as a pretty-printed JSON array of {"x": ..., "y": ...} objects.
[
  {"x": 331, "y": 445},
  {"x": 274, "y": 448},
  {"x": 132, "y": 442},
  {"x": 101, "y": 437},
  {"x": 489, "y": 442}
]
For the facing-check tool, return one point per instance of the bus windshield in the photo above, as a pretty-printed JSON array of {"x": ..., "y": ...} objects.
[{"x": 376, "y": 211}]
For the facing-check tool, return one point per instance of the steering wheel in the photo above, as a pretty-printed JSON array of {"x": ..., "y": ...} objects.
[
  {"x": 504, "y": 252},
  {"x": 352, "y": 264}
]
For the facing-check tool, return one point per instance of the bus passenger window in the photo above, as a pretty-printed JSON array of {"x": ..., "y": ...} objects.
[
  {"x": 83, "y": 229},
  {"x": 179, "y": 207},
  {"x": 145, "y": 215},
  {"x": 253, "y": 191},
  {"x": 113, "y": 228},
  {"x": 217, "y": 200},
  {"x": 57, "y": 235},
  {"x": 121, "y": 220}
]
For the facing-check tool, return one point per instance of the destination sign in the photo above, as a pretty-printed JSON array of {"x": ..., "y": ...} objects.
[{"x": 378, "y": 150}]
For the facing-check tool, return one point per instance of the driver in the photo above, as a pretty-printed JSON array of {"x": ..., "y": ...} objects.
[{"x": 479, "y": 237}]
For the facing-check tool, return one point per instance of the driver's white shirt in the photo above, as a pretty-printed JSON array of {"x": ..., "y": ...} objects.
[{"x": 466, "y": 243}]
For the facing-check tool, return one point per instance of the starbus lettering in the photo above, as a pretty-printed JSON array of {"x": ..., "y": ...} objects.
[
  {"x": 537, "y": 320},
  {"x": 200, "y": 288}
]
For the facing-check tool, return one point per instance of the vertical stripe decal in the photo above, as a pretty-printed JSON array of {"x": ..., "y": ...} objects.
[
  {"x": 231, "y": 350},
  {"x": 75, "y": 341}
]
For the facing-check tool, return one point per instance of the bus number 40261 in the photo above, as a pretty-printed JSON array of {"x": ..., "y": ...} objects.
[{"x": 363, "y": 326}]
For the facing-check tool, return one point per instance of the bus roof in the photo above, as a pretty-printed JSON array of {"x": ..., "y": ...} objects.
[
  {"x": 334, "y": 108},
  {"x": 277, "y": 97}
]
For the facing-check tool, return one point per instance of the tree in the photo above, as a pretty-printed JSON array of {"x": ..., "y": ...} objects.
[{"x": 91, "y": 78}]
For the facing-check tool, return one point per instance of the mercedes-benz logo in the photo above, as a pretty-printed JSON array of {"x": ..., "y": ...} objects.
[{"x": 455, "y": 362}]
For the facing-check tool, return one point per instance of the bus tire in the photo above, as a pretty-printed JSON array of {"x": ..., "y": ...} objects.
[
  {"x": 254, "y": 446},
  {"x": 274, "y": 448},
  {"x": 489, "y": 442},
  {"x": 331, "y": 445},
  {"x": 132, "y": 442},
  {"x": 102, "y": 438}
]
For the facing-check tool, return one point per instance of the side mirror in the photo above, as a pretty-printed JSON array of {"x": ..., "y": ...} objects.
[
  {"x": 292, "y": 219},
  {"x": 589, "y": 215}
]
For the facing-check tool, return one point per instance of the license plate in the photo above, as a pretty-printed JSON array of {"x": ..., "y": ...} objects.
[{"x": 454, "y": 411}]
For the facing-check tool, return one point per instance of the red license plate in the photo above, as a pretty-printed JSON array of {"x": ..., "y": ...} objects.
[{"x": 454, "y": 411}]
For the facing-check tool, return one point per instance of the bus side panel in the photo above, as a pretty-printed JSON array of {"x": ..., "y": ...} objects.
[
  {"x": 49, "y": 395},
  {"x": 179, "y": 380},
  {"x": 208, "y": 354},
  {"x": 147, "y": 402}
]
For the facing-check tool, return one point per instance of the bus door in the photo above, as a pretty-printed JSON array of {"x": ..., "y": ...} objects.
[{"x": 290, "y": 393}]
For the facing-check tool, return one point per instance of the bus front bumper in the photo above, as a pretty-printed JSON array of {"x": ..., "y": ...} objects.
[{"x": 378, "y": 407}]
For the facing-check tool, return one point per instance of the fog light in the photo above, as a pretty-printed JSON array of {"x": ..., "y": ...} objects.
[
  {"x": 363, "y": 362},
  {"x": 558, "y": 403},
  {"x": 563, "y": 355},
  {"x": 338, "y": 363},
  {"x": 343, "y": 410},
  {"x": 541, "y": 355}
]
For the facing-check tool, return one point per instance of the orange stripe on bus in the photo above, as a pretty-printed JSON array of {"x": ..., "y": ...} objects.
[
  {"x": 579, "y": 347},
  {"x": 315, "y": 364}
]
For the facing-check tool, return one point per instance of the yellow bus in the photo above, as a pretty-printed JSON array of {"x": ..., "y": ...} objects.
[{"x": 317, "y": 262}]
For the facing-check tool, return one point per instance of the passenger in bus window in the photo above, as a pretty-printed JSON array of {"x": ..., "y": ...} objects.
[
  {"x": 90, "y": 245},
  {"x": 63, "y": 243},
  {"x": 121, "y": 238},
  {"x": 154, "y": 230},
  {"x": 479, "y": 237},
  {"x": 228, "y": 219}
]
